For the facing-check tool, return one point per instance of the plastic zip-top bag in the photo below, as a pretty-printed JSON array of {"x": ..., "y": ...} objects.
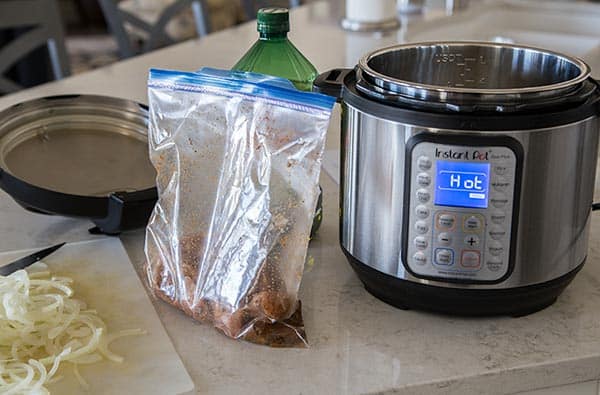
[{"x": 238, "y": 157}]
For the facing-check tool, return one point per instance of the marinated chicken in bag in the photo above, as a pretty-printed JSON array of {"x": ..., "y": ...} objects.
[{"x": 238, "y": 157}]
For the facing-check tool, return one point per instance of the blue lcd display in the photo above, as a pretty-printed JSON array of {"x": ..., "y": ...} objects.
[{"x": 462, "y": 184}]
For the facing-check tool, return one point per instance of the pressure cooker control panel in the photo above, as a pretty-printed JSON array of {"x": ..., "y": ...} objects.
[{"x": 460, "y": 201}]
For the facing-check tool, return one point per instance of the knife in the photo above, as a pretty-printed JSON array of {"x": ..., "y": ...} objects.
[{"x": 28, "y": 260}]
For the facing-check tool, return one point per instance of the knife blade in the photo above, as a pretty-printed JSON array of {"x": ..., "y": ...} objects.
[{"x": 28, "y": 260}]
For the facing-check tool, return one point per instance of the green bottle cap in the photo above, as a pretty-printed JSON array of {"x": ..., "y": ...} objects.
[{"x": 273, "y": 20}]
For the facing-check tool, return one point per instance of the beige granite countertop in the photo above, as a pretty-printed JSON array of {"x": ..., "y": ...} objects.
[{"x": 358, "y": 344}]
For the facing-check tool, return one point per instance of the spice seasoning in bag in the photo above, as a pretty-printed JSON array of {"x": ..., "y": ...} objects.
[{"x": 238, "y": 157}]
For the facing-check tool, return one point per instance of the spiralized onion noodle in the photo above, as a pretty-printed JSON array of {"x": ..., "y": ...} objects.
[{"x": 42, "y": 327}]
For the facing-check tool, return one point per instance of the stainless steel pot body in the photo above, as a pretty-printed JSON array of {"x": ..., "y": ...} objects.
[{"x": 555, "y": 197}]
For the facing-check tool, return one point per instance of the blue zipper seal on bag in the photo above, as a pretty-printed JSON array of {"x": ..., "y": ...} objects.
[
  {"x": 247, "y": 76},
  {"x": 229, "y": 83}
]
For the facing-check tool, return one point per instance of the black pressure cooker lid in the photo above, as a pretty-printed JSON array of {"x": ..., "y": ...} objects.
[
  {"x": 79, "y": 155},
  {"x": 473, "y": 77}
]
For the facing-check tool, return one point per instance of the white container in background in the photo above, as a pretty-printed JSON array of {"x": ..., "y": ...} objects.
[
  {"x": 371, "y": 15},
  {"x": 370, "y": 10}
]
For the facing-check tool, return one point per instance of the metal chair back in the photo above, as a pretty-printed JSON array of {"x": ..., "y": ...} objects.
[
  {"x": 117, "y": 18},
  {"x": 42, "y": 18}
]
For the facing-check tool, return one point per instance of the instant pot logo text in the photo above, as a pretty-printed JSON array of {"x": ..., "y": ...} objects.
[{"x": 462, "y": 155}]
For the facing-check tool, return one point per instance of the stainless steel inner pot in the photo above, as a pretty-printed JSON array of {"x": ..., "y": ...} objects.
[{"x": 449, "y": 71}]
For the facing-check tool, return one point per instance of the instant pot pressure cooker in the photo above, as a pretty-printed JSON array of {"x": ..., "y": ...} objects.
[{"x": 467, "y": 174}]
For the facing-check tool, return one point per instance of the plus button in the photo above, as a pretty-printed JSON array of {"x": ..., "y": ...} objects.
[{"x": 472, "y": 240}]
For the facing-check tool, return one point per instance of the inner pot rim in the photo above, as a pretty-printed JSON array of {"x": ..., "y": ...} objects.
[{"x": 410, "y": 88}]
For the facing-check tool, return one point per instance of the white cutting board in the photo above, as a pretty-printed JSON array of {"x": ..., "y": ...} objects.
[{"x": 106, "y": 280}]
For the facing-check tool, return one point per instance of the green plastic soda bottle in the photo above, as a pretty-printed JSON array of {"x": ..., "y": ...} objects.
[{"x": 274, "y": 54}]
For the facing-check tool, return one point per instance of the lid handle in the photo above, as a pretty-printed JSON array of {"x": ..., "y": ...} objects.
[{"x": 126, "y": 210}]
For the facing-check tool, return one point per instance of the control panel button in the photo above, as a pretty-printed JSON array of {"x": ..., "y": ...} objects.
[
  {"x": 423, "y": 179},
  {"x": 500, "y": 156},
  {"x": 493, "y": 263},
  {"x": 496, "y": 248},
  {"x": 472, "y": 240},
  {"x": 421, "y": 242},
  {"x": 500, "y": 184},
  {"x": 499, "y": 201},
  {"x": 498, "y": 217},
  {"x": 470, "y": 259},
  {"x": 444, "y": 256},
  {"x": 420, "y": 258},
  {"x": 444, "y": 239},
  {"x": 500, "y": 169},
  {"x": 423, "y": 195},
  {"x": 497, "y": 233},
  {"x": 472, "y": 223},
  {"x": 424, "y": 162},
  {"x": 422, "y": 211},
  {"x": 421, "y": 227},
  {"x": 445, "y": 221}
]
